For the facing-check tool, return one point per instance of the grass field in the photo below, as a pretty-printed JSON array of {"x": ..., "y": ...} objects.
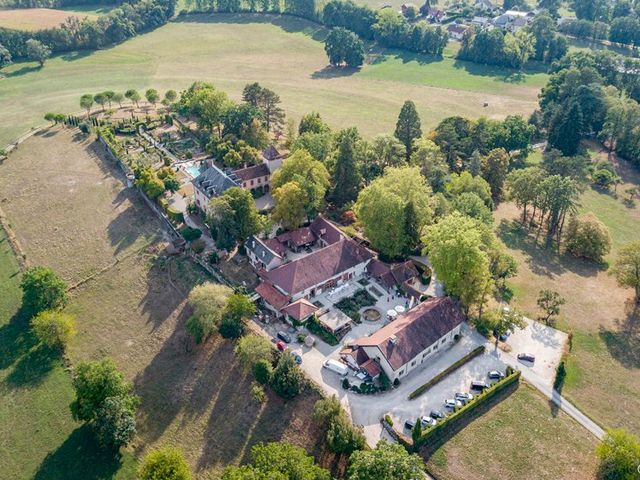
[
  {"x": 604, "y": 367},
  {"x": 283, "y": 53},
  {"x": 39, "y": 18},
  {"x": 134, "y": 310},
  {"x": 518, "y": 438}
]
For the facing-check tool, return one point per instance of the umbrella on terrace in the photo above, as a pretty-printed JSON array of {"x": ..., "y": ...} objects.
[
  {"x": 399, "y": 309},
  {"x": 392, "y": 313}
]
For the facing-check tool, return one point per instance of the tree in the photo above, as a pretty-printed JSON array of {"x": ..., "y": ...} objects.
[
  {"x": 54, "y": 329},
  {"x": 290, "y": 205},
  {"x": 552, "y": 6},
  {"x": 343, "y": 437},
  {"x": 386, "y": 461},
  {"x": 310, "y": 175},
  {"x": 277, "y": 461},
  {"x": 618, "y": 453},
  {"x": 456, "y": 247},
  {"x": 5, "y": 57},
  {"x": 267, "y": 101},
  {"x": 94, "y": 382},
  {"x": 326, "y": 409},
  {"x": 253, "y": 348},
  {"x": 238, "y": 309},
  {"x": 344, "y": 47},
  {"x": 86, "y": 101},
  {"x": 100, "y": 99},
  {"x": 500, "y": 321},
  {"x": 42, "y": 289},
  {"x": 385, "y": 151},
  {"x": 115, "y": 423},
  {"x": 152, "y": 96},
  {"x": 381, "y": 209},
  {"x": 311, "y": 122},
  {"x": 346, "y": 173},
  {"x": 233, "y": 217},
  {"x": 37, "y": 51},
  {"x": 494, "y": 170},
  {"x": 412, "y": 227},
  {"x": 108, "y": 95},
  {"x": 550, "y": 303},
  {"x": 471, "y": 205},
  {"x": 432, "y": 162},
  {"x": 170, "y": 96},
  {"x": 167, "y": 463},
  {"x": 408, "y": 127},
  {"x": 466, "y": 183},
  {"x": 263, "y": 371},
  {"x": 287, "y": 377},
  {"x": 133, "y": 96},
  {"x": 626, "y": 268},
  {"x": 587, "y": 237},
  {"x": 208, "y": 302},
  {"x": 118, "y": 97},
  {"x": 416, "y": 433},
  {"x": 566, "y": 129},
  {"x": 523, "y": 187}
]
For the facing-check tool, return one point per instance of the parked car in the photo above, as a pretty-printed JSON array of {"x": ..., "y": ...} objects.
[
  {"x": 479, "y": 385},
  {"x": 436, "y": 414},
  {"x": 495, "y": 375},
  {"x": 527, "y": 357},
  {"x": 409, "y": 424},
  {"x": 451, "y": 403},
  {"x": 337, "y": 367},
  {"x": 427, "y": 421},
  {"x": 283, "y": 336},
  {"x": 297, "y": 358},
  {"x": 463, "y": 397},
  {"x": 281, "y": 346}
]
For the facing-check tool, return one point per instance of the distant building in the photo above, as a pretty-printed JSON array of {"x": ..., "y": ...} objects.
[
  {"x": 457, "y": 31},
  {"x": 486, "y": 5},
  {"x": 211, "y": 183},
  {"x": 254, "y": 177},
  {"x": 436, "y": 15},
  {"x": 513, "y": 20}
]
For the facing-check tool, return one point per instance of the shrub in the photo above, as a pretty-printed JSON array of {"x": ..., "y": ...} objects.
[
  {"x": 561, "y": 373},
  {"x": 190, "y": 234},
  {"x": 115, "y": 423},
  {"x": 343, "y": 437},
  {"x": 301, "y": 337},
  {"x": 175, "y": 215},
  {"x": 263, "y": 372},
  {"x": 166, "y": 463},
  {"x": 231, "y": 327},
  {"x": 587, "y": 237},
  {"x": 54, "y": 329},
  {"x": 85, "y": 127},
  {"x": 213, "y": 258},
  {"x": 389, "y": 420},
  {"x": 208, "y": 302},
  {"x": 253, "y": 348},
  {"x": 257, "y": 392},
  {"x": 197, "y": 246},
  {"x": 345, "y": 383}
]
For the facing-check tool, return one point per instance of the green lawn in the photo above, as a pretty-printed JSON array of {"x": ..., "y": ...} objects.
[
  {"x": 521, "y": 437},
  {"x": 39, "y": 438},
  {"x": 285, "y": 54}
]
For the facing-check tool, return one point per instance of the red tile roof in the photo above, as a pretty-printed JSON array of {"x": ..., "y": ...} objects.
[
  {"x": 420, "y": 328},
  {"x": 371, "y": 367},
  {"x": 254, "y": 171},
  {"x": 319, "y": 266},
  {"x": 300, "y": 309},
  {"x": 272, "y": 296},
  {"x": 326, "y": 230},
  {"x": 275, "y": 245},
  {"x": 299, "y": 237}
]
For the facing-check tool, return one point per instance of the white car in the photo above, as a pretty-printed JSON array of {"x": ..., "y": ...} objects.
[
  {"x": 428, "y": 421},
  {"x": 463, "y": 397},
  {"x": 451, "y": 403}
]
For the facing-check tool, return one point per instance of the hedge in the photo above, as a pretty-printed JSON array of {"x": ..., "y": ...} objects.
[
  {"x": 451, "y": 368},
  {"x": 449, "y": 422},
  {"x": 175, "y": 215}
]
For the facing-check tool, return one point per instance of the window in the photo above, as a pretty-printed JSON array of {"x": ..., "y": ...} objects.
[
  {"x": 435, "y": 347},
  {"x": 259, "y": 180},
  {"x": 443, "y": 340},
  {"x": 413, "y": 363},
  {"x": 252, "y": 183},
  {"x": 426, "y": 353},
  {"x": 401, "y": 373}
]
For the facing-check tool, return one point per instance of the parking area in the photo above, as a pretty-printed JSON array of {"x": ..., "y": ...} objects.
[{"x": 366, "y": 410}]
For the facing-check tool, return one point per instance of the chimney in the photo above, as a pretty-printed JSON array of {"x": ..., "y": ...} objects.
[{"x": 393, "y": 339}]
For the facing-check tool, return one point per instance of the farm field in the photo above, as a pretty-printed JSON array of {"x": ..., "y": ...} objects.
[
  {"x": 39, "y": 18},
  {"x": 133, "y": 311},
  {"x": 285, "y": 54},
  {"x": 603, "y": 368},
  {"x": 516, "y": 438}
]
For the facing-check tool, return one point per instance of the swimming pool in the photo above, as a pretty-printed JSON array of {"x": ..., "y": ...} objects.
[{"x": 194, "y": 170}]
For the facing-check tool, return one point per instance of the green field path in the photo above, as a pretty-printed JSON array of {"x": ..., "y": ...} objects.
[{"x": 283, "y": 53}]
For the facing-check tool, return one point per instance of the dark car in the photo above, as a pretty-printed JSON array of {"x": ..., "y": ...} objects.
[
  {"x": 527, "y": 357},
  {"x": 297, "y": 358},
  {"x": 479, "y": 385},
  {"x": 283, "y": 336},
  {"x": 436, "y": 414},
  {"x": 495, "y": 375},
  {"x": 409, "y": 424}
]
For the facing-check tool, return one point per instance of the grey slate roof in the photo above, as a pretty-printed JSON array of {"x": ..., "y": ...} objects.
[
  {"x": 260, "y": 250},
  {"x": 213, "y": 182}
]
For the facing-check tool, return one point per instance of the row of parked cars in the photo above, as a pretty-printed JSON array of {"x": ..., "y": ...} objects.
[
  {"x": 458, "y": 400},
  {"x": 283, "y": 338}
]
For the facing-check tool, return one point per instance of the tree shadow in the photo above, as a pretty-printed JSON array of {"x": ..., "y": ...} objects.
[
  {"x": 15, "y": 339},
  {"x": 502, "y": 74},
  {"x": 380, "y": 54},
  {"x": 22, "y": 71},
  {"x": 32, "y": 368},
  {"x": 334, "y": 72},
  {"x": 624, "y": 343},
  {"x": 79, "y": 458},
  {"x": 76, "y": 55}
]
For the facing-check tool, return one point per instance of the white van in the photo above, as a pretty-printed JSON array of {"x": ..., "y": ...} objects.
[{"x": 337, "y": 367}]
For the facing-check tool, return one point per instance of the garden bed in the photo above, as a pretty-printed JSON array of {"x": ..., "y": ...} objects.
[{"x": 351, "y": 306}]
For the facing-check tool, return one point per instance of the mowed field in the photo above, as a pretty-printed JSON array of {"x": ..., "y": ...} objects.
[
  {"x": 518, "y": 438},
  {"x": 37, "y": 18},
  {"x": 133, "y": 309},
  {"x": 283, "y": 53},
  {"x": 604, "y": 366}
]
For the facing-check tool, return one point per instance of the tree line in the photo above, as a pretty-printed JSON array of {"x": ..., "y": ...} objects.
[{"x": 74, "y": 33}]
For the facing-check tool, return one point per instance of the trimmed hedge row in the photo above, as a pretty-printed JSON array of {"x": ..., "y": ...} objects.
[
  {"x": 449, "y": 422},
  {"x": 451, "y": 368}
]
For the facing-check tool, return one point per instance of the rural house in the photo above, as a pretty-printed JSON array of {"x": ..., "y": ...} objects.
[{"x": 409, "y": 341}]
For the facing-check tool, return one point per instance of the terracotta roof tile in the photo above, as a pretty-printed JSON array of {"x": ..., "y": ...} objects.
[
  {"x": 254, "y": 171},
  {"x": 300, "y": 309},
  {"x": 272, "y": 296}
]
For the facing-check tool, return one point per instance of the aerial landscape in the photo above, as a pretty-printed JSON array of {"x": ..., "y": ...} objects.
[{"x": 319, "y": 239}]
